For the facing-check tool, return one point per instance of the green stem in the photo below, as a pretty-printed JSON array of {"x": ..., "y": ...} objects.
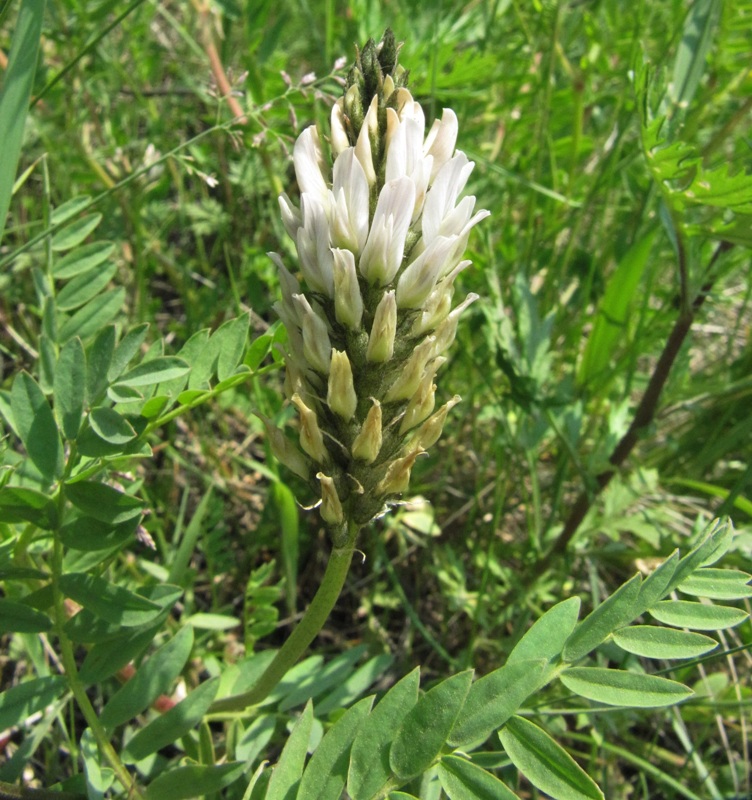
[
  {"x": 77, "y": 687},
  {"x": 304, "y": 633}
]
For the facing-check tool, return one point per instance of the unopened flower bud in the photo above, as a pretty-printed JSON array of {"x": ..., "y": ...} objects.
[
  {"x": 422, "y": 402},
  {"x": 340, "y": 396},
  {"x": 381, "y": 341},
  {"x": 368, "y": 442},
  {"x": 317, "y": 348},
  {"x": 339, "y": 140},
  {"x": 446, "y": 332},
  {"x": 364, "y": 147},
  {"x": 429, "y": 432},
  {"x": 331, "y": 508},
  {"x": 397, "y": 477},
  {"x": 353, "y": 106},
  {"x": 348, "y": 303},
  {"x": 409, "y": 379},
  {"x": 284, "y": 450},
  {"x": 311, "y": 438}
]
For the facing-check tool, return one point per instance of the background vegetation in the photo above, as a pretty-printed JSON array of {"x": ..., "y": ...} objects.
[{"x": 605, "y": 231}]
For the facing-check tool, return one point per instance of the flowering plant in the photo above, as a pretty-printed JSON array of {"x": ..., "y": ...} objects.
[{"x": 380, "y": 235}]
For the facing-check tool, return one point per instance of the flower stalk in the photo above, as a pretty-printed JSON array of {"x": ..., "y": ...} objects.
[{"x": 380, "y": 233}]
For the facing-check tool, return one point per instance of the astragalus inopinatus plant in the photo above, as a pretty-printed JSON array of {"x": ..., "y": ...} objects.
[{"x": 380, "y": 235}]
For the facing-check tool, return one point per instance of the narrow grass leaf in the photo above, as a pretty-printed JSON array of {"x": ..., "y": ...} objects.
[
  {"x": 356, "y": 684},
  {"x": 193, "y": 781},
  {"x": 103, "y": 502},
  {"x": 369, "y": 758},
  {"x": 615, "y": 612},
  {"x": 111, "y": 426},
  {"x": 94, "y": 316},
  {"x": 69, "y": 388},
  {"x": 75, "y": 232},
  {"x": 82, "y": 260},
  {"x": 610, "y": 329},
  {"x": 157, "y": 370},
  {"x": 107, "y": 600},
  {"x": 463, "y": 780},
  {"x": 427, "y": 726},
  {"x": 548, "y": 635},
  {"x": 283, "y": 785},
  {"x": 255, "y": 738},
  {"x": 333, "y": 674},
  {"x": 153, "y": 677},
  {"x": 20, "y": 618},
  {"x": 616, "y": 687},
  {"x": 36, "y": 427},
  {"x": 326, "y": 772},
  {"x": 18, "y": 504},
  {"x": 170, "y": 726},
  {"x": 718, "y": 584},
  {"x": 545, "y": 763},
  {"x": 697, "y": 616},
  {"x": 187, "y": 545},
  {"x": 14, "y": 97},
  {"x": 18, "y": 703},
  {"x": 493, "y": 699},
  {"x": 650, "y": 641}
]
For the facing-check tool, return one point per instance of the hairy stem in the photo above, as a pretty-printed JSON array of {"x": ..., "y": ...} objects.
[{"x": 305, "y": 631}]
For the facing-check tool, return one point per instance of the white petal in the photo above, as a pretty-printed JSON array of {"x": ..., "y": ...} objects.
[
  {"x": 363, "y": 145},
  {"x": 419, "y": 278},
  {"x": 291, "y": 218},
  {"x": 314, "y": 251},
  {"x": 441, "y": 140},
  {"x": 442, "y": 196},
  {"x": 382, "y": 255},
  {"x": 310, "y": 166},
  {"x": 350, "y": 203},
  {"x": 339, "y": 138}
]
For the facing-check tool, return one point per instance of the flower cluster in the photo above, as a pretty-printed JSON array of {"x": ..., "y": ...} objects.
[{"x": 380, "y": 235}]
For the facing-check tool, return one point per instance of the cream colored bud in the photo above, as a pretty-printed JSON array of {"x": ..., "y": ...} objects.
[
  {"x": 409, "y": 379},
  {"x": 317, "y": 348},
  {"x": 381, "y": 342},
  {"x": 331, "y": 508},
  {"x": 388, "y": 86},
  {"x": 446, "y": 332},
  {"x": 311, "y": 438},
  {"x": 422, "y": 402},
  {"x": 340, "y": 396},
  {"x": 284, "y": 450},
  {"x": 348, "y": 303},
  {"x": 429, "y": 432},
  {"x": 368, "y": 442},
  {"x": 397, "y": 477},
  {"x": 363, "y": 149}
]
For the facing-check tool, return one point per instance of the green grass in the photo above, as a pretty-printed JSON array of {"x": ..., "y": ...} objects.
[{"x": 591, "y": 255}]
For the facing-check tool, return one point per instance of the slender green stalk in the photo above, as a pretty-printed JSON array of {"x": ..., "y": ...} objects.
[
  {"x": 306, "y": 630},
  {"x": 76, "y": 686}
]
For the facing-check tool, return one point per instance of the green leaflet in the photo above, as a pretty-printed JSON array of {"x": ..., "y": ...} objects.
[
  {"x": 152, "y": 678},
  {"x": 697, "y": 616},
  {"x": 36, "y": 426},
  {"x": 427, "y": 726},
  {"x": 615, "y": 612},
  {"x": 283, "y": 785},
  {"x": 545, "y": 763},
  {"x": 493, "y": 699},
  {"x": 369, "y": 768},
  {"x": 651, "y": 641},
  {"x": 170, "y": 726},
  {"x": 548, "y": 635},
  {"x": 19, "y": 702},
  {"x": 463, "y": 780},
  {"x": 326, "y": 772},
  {"x": 193, "y": 781},
  {"x": 616, "y": 687}
]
